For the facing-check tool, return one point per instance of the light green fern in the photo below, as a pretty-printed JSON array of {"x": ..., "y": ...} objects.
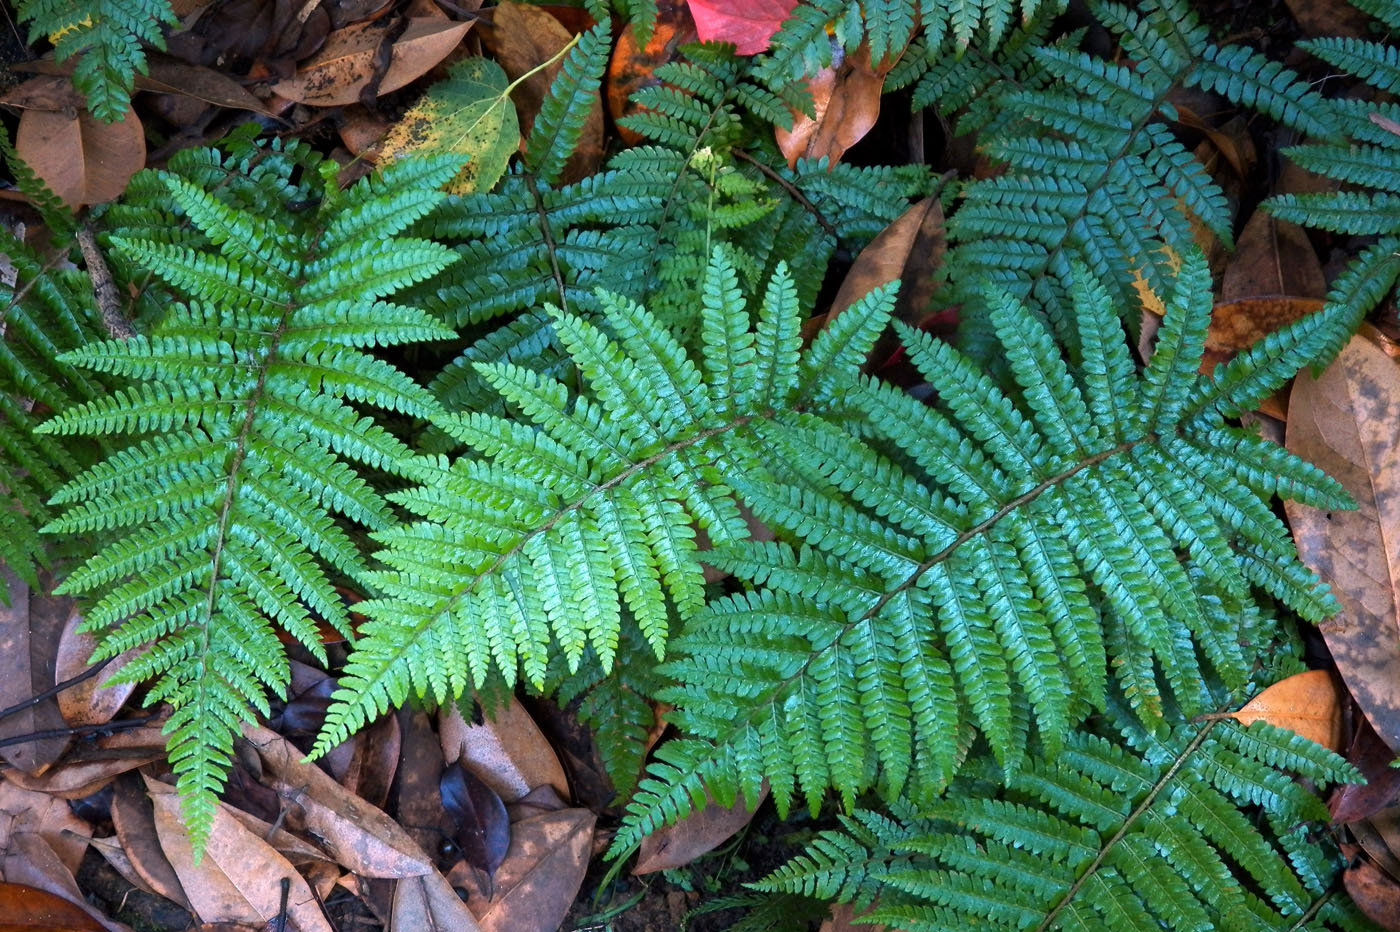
[{"x": 247, "y": 439}]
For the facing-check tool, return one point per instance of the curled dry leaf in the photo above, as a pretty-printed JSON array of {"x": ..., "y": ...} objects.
[
  {"x": 240, "y": 876},
  {"x": 702, "y": 831},
  {"x": 82, "y": 159},
  {"x": 345, "y": 65},
  {"x": 508, "y": 751},
  {"x": 540, "y": 876},
  {"x": 847, "y": 102},
  {"x": 1354, "y": 801},
  {"x": 27, "y": 812},
  {"x": 1344, "y": 422},
  {"x": 1306, "y": 703},
  {"x": 356, "y": 834}
]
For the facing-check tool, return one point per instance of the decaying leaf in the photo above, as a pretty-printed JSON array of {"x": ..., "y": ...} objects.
[
  {"x": 843, "y": 919},
  {"x": 24, "y": 812},
  {"x": 428, "y": 903},
  {"x": 133, "y": 816},
  {"x": 89, "y": 702},
  {"x": 1306, "y": 703},
  {"x": 345, "y": 65},
  {"x": 240, "y": 877},
  {"x": 469, "y": 114},
  {"x": 507, "y": 750},
  {"x": 1273, "y": 257},
  {"x": 540, "y": 876},
  {"x": 1344, "y": 421},
  {"x": 357, "y": 835},
  {"x": 24, "y": 907},
  {"x": 847, "y": 103},
  {"x": 633, "y": 66},
  {"x": 700, "y": 832},
  {"x": 482, "y": 830},
  {"x": 1375, "y": 892},
  {"x": 82, "y": 159},
  {"x": 1355, "y": 801},
  {"x": 29, "y": 630}
]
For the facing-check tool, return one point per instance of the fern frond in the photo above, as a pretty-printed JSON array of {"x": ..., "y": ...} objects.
[
  {"x": 1123, "y": 830},
  {"x": 245, "y": 436},
  {"x": 546, "y": 536},
  {"x": 106, "y": 35},
  {"x": 993, "y": 555}
]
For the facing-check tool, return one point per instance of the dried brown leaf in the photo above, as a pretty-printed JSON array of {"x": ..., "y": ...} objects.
[
  {"x": 1375, "y": 892},
  {"x": 25, "y": 907},
  {"x": 842, "y": 919},
  {"x": 240, "y": 877},
  {"x": 27, "y": 812},
  {"x": 429, "y": 903},
  {"x": 168, "y": 76},
  {"x": 702, "y": 831},
  {"x": 31, "y": 860},
  {"x": 345, "y": 65},
  {"x": 1273, "y": 257},
  {"x": 82, "y": 159},
  {"x": 847, "y": 103},
  {"x": 541, "y": 874},
  {"x": 1307, "y": 703},
  {"x": 1344, "y": 421},
  {"x": 88, "y": 702},
  {"x": 29, "y": 632},
  {"x": 356, "y": 834},
  {"x": 133, "y": 816},
  {"x": 507, "y": 750}
]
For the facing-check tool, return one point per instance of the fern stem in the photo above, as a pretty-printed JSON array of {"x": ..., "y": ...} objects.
[
  {"x": 793, "y": 190},
  {"x": 550, "y": 248},
  {"x": 1128, "y": 823}
]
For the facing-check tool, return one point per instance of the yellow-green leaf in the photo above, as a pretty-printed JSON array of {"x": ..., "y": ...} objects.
[{"x": 470, "y": 113}]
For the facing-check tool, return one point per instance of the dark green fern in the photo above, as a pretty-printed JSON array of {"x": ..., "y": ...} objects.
[{"x": 246, "y": 438}]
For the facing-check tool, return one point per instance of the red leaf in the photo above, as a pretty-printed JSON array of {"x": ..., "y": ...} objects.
[{"x": 749, "y": 24}]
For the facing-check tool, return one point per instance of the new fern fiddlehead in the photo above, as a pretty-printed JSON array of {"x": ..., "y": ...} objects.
[{"x": 247, "y": 443}]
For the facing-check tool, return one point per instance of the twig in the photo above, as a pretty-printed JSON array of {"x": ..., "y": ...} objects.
[
  {"x": 54, "y": 690},
  {"x": 280, "y": 923},
  {"x": 109, "y": 302},
  {"x": 792, "y": 189},
  {"x": 79, "y": 730}
]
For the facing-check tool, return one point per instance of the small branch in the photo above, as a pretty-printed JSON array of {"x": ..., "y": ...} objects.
[
  {"x": 109, "y": 302},
  {"x": 54, "y": 690},
  {"x": 80, "y": 731},
  {"x": 791, "y": 189}
]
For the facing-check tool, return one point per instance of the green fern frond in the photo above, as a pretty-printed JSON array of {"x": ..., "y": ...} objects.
[
  {"x": 107, "y": 36},
  {"x": 977, "y": 565},
  {"x": 572, "y": 96},
  {"x": 541, "y": 544},
  {"x": 226, "y": 503},
  {"x": 1201, "y": 827}
]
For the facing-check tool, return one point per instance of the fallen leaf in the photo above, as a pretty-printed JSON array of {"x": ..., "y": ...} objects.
[
  {"x": 240, "y": 877},
  {"x": 29, "y": 859},
  {"x": 1239, "y": 324},
  {"x": 846, "y": 97},
  {"x": 1329, "y": 18},
  {"x": 27, "y": 812},
  {"x": 89, "y": 702},
  {"x": 1273, "y": 257},
  {"x": 522, "y": 38},
  {"x": 112, "y": 851},
  {"x": 700, "y": 832},
  {"x": 79, "y": 778},
  {"x": 82, "y": 159},
  {"x": 843, "y": 919},
  {"x": 429, "y": 904},
  {"x": 365, "y": 764},
  {"x": 507, "y": 750},
  {"x": 1369, "y": 754},
  {"x": 416, "y": 798},
  {"x": 541, "y": 874},
  {"x": 1375, "y": 892},
  {"x": 469, "y": 114},
  {"x": 1344, "y": 422},
  {"x": 167, "y": 76},
  {"x": 749, "y": 25},
  {"x": 334, "y": 76},
  {"x": 482, "y": 830},
  {"x": 133, "y": 817},
  {"x": 633, "y": 67},
  {"x": 26, "y": 907},
  {"x": 29, "y": 631},
  {"x": 356, "y": 834},
  {"x": 1307, "y": 704}
]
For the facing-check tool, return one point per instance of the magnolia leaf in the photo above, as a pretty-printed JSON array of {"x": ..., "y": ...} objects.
[
  {"x": 345, "y": 65},
  {"x": 471, "y": 114},
  {"x": 540, "y": 876},
  {"x": 29, "y": 626},
  {"x": 506, "y": 750},
  {"x": 82, "y": 159},
  {"x": 749, "y": 25},
  {"x": 699, "y": 833},
  {"x": 1375, "y": 892},
  {"x": 429, "y": 904},
  {"x": 847, "y": 102}
]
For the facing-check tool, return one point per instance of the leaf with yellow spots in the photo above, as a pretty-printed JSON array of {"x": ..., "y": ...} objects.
[{"x": 471, "y": 114}]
